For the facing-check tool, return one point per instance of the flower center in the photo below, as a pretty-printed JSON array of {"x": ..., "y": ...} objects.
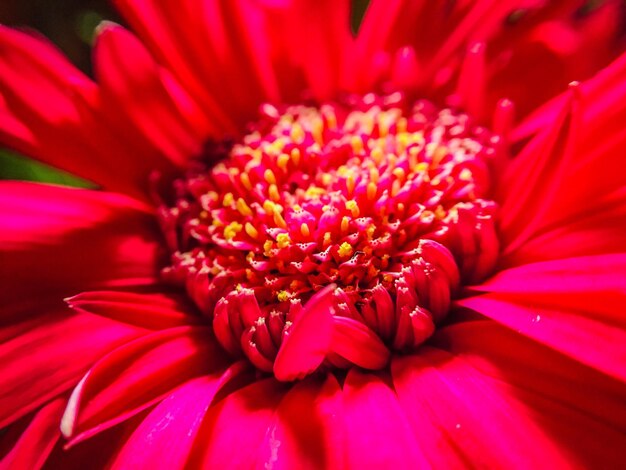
[{"x": 382, "y": 199}]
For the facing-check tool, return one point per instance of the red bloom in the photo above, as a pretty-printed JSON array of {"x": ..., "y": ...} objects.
[{"x": 386, "y": 268}]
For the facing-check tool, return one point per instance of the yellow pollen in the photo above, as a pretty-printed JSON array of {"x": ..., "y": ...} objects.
[
  {"x": 331, "y": 118},
  {"x": 439, "y": 154},
  {"x": 279, "y": 221},
  {"x": 228, "y": 200},
  {"x": 399, "y": 173},
  {"x": 283, "y": 240},
  {"x": 217, "y": 223},
  {"x": 304, "y": 229},
  {"x": 353, "y": 207},
  {"x": 350, "y": 184},
  {"x": 267, "y": 248},
  {"x": 250, "y": 230},
  {"x": 315, "y": 191},
  {"x": 327, "y": 239},
  {"x": 440, "y": 212},
  {"x": 465, "y": 175},
  {"x": 370, "y": 231},
  {"x": 282, "y": 161},
  {"x": 231, "y": 230},
  {"x": 243, "y": 208},
  {"x": 402, "y": 142},
  {"x": 295, "y": 156},
  {"x": 269, "y": 176},
  {"x": 421, "y": 167},
  {"x": 345, "y": 224},
  {"x": 297, "y": 133},
  {"x": 273, "y": 193},
  {"x": 245, "y": 181},
  {"x": 345, "y": 250},
  {"x": 318, "y": 130},
  {"x": 327, "y": 179},
  {"x": 374, "y": 175},
  {"x": 383, "y": 124},
  {"x": 357, "y": 144},
  {"x": 377, "y": 155},
  {"x": 269, "y": 207},
  {"x": 401, "y": 125},
  {"x": 372, "y": 189},
  {"x": 395, "y": 188},
  {"x": 283, "y": 296}
]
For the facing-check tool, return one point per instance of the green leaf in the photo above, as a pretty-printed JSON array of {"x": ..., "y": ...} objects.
[{"x": 17, "y": 167}]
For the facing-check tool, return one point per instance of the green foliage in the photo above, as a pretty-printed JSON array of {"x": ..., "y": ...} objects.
[{"x": 17, "y": 167}]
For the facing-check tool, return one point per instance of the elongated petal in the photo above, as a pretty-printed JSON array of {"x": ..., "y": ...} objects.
[
  {"x": 378, "y": 433},
  {"x": 574, "y": 306},
  {"x": 576, "y": 407},
  {"x": 165, "y": 437},
  {"x": 136, "y": 376},
  {"x": 51, "y": 111},
  {"x": 62, "y": 241},
  {"x": 151, "y": 311},
  {"x": 38, "y": 439},
  {"x": 47, "y": 354},
  {"x": 131, "y": 80}
]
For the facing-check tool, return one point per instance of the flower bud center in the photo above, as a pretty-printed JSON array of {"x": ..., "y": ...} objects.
[{"x": 382, "y": 199}]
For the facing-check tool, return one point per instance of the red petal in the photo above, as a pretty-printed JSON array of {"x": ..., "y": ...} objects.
[
  {"x": 464, "y": 421},
  {"x": 47, "y": 354},
  {"x": 63, "y": 241},
  {"x": 150, "y": 311},
  {"x": 38, "y": 439},
  {"x": 164, "y": 438},
  {"x": 69, "y": 132},
  {"x": 221, "y": 442},
  {"x": 574, "y": 306},
  {"x": 579, "y": 409},
  {"x": 136, "y": 376},
  {"x": 306, "y": 344},
  {"x": 378, "y": 434},
  {"x": 130, "y": 79}
]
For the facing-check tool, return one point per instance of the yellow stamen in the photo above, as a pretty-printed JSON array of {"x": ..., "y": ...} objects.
[
  {"x": 283, "y": 240},
  {"x": 297, "y": 133},
  {"x": 327, "y": 239},
  {"x": 357, "y": 144},
  {"x": 267, "y": 248},
  {"x": 283, "y": 296},
  {"x": 345, "y": 224},
  {"x": 350, "y": 184},
  {"x": 269, "y": 176},
  {"x": 304, "y": 229},
  {"x": 273, "y": 193},
  {"x": 345, "y": 250},
  {"x": 282, "y": 161},
  {"x": 245, "y": 181},
  {"x": 279, "y": 221},
  {"x": 353, "y": 207},
  {"x": 374, "y": 175},
  {"x": 250, "y": 230},
  {"x": 377, "y": 155},
  {"x": 372, "y": 189},
  {"x": 243, "y": 208},
  {"x": 295, "y": 156},
  {"x": 318, "y": 130},
  {"x": 228, "y": 200},
  {"x": 231, "y": 230}
]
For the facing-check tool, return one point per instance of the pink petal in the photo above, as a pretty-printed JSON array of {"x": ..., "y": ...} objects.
[
  {"x": 221, "y": 442},
  {"x": 300, "y": 428},
  {"x": 579, "y": 409},
  {"x": 151, "y": 311},
  {"x": 378, "y": 433},
  {"x": 574, "y": 306},
  {"x": 136, "y": 376},
  {"x": 130, "y": 79},
  {"x": 464, "y": 421},
  {"x": 47, "y": 354},
  {"x": 165, "y": 437},
  {"x": 37, "y": 440},
  {"x": 69, "y": 132},
  {"x": 306, "y": 344},
  {"x": 62, "y": 241}
]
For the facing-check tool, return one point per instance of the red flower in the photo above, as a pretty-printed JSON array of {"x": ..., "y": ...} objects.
[{"x": 386, "y": 268}]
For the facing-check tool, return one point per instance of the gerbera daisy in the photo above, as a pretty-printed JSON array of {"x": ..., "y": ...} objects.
[{"x": 403, "y": 248}]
